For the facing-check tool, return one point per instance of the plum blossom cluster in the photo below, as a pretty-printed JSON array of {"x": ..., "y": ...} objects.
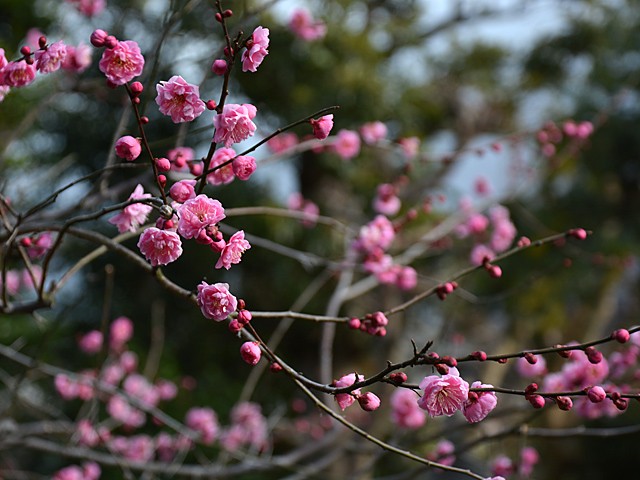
[
  {"x": 447, "y": 394},
  {"x": 89, "y": 8},
  {"x": 368, "y": 401},
  {"x": 551, "y": 136},
  {"x": 503, "y": 467},
  {"x": 373, "y": 240},
  {"x": 47, "y": 58}
]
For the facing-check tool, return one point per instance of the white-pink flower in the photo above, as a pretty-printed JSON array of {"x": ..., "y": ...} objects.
[
  {"x": 134, "y": 215},
  {"x": 479, "y": 404},
  {"x": 443, "y": 395},
  {"x": 305, "y": 27},
  {"x": 215, "y": 301},
  {"x": 234, "y": 124},
  {"x": 222, "y": 175},
  {"x": 160, "y": 247},
  {"x": 51, "y": 59},
  {"x": 179, "y": 99},
  {"x": 233, "y": 250},
  {"x": 256, "y": 50},
  {"x": 122, "y": 63},
  {"x": 197, "y": 214}
]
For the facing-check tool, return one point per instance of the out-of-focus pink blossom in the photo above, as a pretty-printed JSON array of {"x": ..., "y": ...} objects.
[
  {"x": 233, "y": 250},
  {"x": 4, "y": 90},
  {"x": 480, "y": 254},
  {"x": 405, "y": 411},
  {"x": 282, "y": 142},
  {"x": 347, "y": 144},
  {"x": 66, "y": 387},
  {"x": 91, "y": 342},
  {"x": 120, "y": 332},
  {"x": 305, "y": 27},
  {"x": 197, "y": 214},
  {"x": 121, "y": 410},
  {"x": 40, "y": 245},
  {"x": 256, "y": 50},
  {"x": 443, "y": 453},
  {"x": 134, "y": 215},
  {"x": 248, "y": 428},
  {"x": 139, "y": 448},
  {"x": 17, "y": 74},
  {"x": 373, "y": 132},
  {"x": 179, "y": 99},
  {"x": 179, "y": 156},
  {"x": 128, "y": 148},
  {"x": 409, "y": 146},
  {"x": 122, "y": 63},
  {"x": 528, "y": 370},
  {"x": 529, "y": 457},
  {"x": 3, "y": 59},
  {"x": 386, "y": 201},
  {"x": 160, "y": 247},
  {"x": 204, "y": 421},
  {"x": 51, "y": 59},
  {"x": 88, "y": 435},
  {"x": 166, "y": 389},
  {"x": 234, "y": 124},
  {"x": 443, "y": 395},
  {"x": 13, "y": 282},
  {"x": 377, "y": 234},
  {"x": 479, "y": 404},
  {"x": 297, "y": 202},
  {"x": 215, "y": 301},
  {"x": 128, "y": 361},
  {"x": 139, "y": 387},
  {"x": 89, "y": 8},
  {"x": 78, "y": 58},
  {"x": 407, "y": 278}
]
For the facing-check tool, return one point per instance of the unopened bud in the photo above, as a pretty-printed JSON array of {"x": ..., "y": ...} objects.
[
  {"x": 250, "y": 352},
  {"x": 369, "y": 401},
  {"x": 398, "y": 378}
]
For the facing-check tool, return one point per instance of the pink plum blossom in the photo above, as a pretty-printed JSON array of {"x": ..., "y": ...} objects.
[
  {"x": 89, "y": 8},
  {"x": 297, "y": 202},
  {"x": 250, "y": 352},
  {"x": 369, "y": 401},
  {"x": 12, "y": 284},
  {"x": 183, "y": 190},
  {"x": 234, "y": 124},
  {"x": 282, "y": 142},
  {"x": 527, "y": 369},
  {"x": 137, "y": 386},
  {"x": 179, "y": 156},
  {"x": 121, "y": 410},
  {"x": 17, "y": 74},
  {"x": 256, "y": 50},
  {"x": 160, "y": 247},
  {"x": 3, "y": 59},
  {"x": 89, "y": 436},
  {"x": 305, "y": 27},
  {"x": 347, "y": 399},
  {"x": 179, "y": 99},
  {"x": 78, "y": 58},
  {"x": 248, "y": 427},
  {"x": 373, "y": 132},
  {"x": 386, "y": 201},
  {"x": 347, "y": 144},
  {"x": 243, "y": 166},
  {"x": 481, "y": 253},
  {"x": 134, "y": 215},
  {"x": 409, "y": 146},
  {"x": 223, "y": 175},
  {"x": 138, "y": 448},
  {"x": 322, "y": 126},
  {"x": 66, "y": 387},
  {"x": 4, "y": 90},
  {"x": 197, "y": 214},
  {"x": 479, "y": 404},
  {"x": 407, "y": 278},
  {"x": 40, "y": 245},
  {"x": 50, "y": 59},
  {"x": 88, "y": 471},
  {"x": 122, "y": 63},
  {"x": 91, "y": 342},
  {"x": 443, "y": 395},
  {"x": 233, "y": 250},
  {"x": 204, "y": 421},
  {"x": 443, "y": 453},
  {"x": 215, "y": 301},
  {"x": 405, "y": 411},
  {"x": 128, "y": 148}
]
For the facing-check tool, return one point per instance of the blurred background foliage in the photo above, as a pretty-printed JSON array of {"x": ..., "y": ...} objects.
[{"x": 435, "y": 72}]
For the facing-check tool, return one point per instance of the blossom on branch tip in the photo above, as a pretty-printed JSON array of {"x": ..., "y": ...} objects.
[
  {"x": 234, "y": 124},
  {"x": 233, "y": 250},
  {"x": 122, "y": 63},
  {"x": 222, "y": 175},
  {"x": 160, "y": 247},
  {"x": 256, "y": 50},
  {"x": 215, "y": 301},
  {"x": 243, "y": 166},
  {"x": 250, "y": 352},
  {"x": 179, "y": 99},
  {"x": 322, "y": 126}
]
